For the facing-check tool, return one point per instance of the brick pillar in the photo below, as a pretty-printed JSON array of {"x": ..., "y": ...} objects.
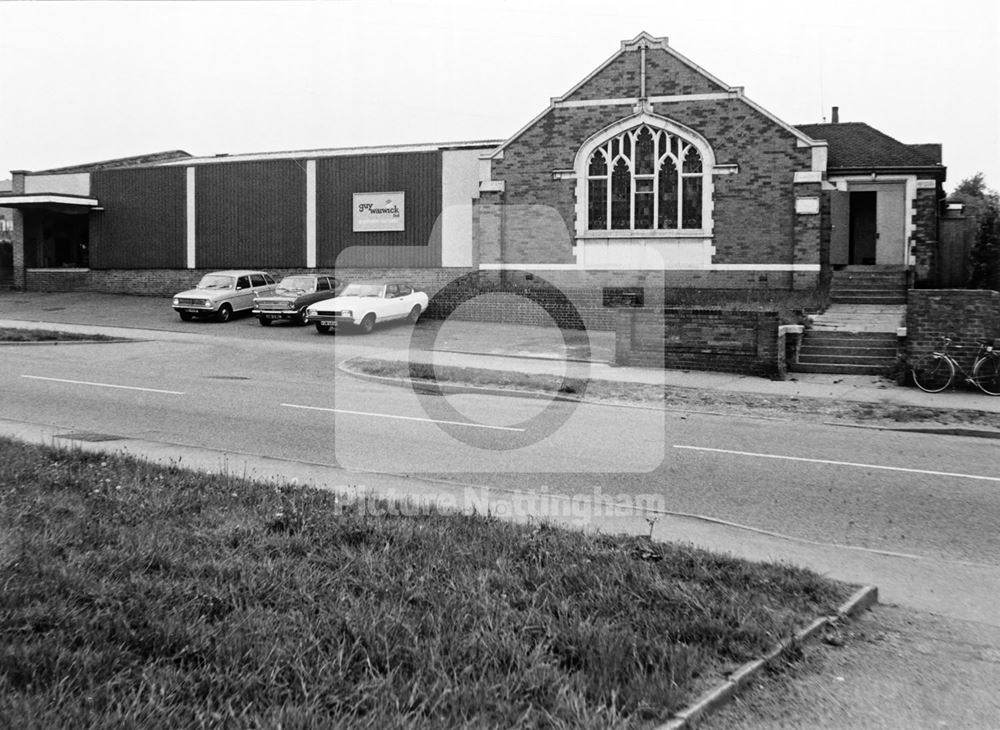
[
  {"x": 17, "y": 188},
  {"x": 490, "y": 227},
  {"x": 924, "y": 241},
  {"x": 807, "y": 235}
]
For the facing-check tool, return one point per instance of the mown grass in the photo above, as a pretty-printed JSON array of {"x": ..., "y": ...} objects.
[
  {"x": 137, "y": 595},
  {"x": 14, "y": 334}
]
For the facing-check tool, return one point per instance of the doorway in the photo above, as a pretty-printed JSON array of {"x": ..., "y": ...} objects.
[{"x": 863, "y": 228}]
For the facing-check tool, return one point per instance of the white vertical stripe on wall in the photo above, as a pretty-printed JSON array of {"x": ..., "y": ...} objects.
[
  {"x": 459, "y": 185},
  {"x": 311, "y": 214},
  {"x": 190, "y": 219}
]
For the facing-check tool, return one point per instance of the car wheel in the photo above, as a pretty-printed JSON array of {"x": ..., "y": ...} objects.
[
  {"x": 302, "y": 318},
  {"x": 322, "y": 328},
  {"x": 225, "y": 313},
  {"x": 367, "y": 324},
  {"x": 264, "y": 321},
  {"x": 186, "y": 316},
  {"x": 414, "y": 314}
]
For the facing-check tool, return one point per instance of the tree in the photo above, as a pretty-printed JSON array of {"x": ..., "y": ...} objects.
[{"x": 985, "y": 254}]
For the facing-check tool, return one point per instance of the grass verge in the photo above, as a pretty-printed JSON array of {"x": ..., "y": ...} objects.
[
  {"x": 724, "y": 402},
  {"x": 14, "y": 334},
  {"x": 140, "y": 595}
]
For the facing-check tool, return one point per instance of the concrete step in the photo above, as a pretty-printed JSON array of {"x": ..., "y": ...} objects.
[
  {"x": 893, "y": 275},
  {"x": 867, "y": 298},
  {"x": 871, "y": 268},
  {"x": 820, "y": 351},
  {"x": 839, "y": 369},
  {"x": 850, "y": 339},
  {"x": 842, "y": 359},
  {"x": 851, "y": 287}
]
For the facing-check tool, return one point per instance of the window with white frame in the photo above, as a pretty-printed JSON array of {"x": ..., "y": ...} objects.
[{"x": 645, "y": 179}]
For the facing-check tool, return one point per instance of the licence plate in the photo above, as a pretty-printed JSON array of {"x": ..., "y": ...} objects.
[
  {"x": 328, "y": 322},
  {"x": 192, "y": 311}
]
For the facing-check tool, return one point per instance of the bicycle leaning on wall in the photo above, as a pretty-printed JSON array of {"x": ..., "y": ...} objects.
[{"x": 936, "y": 370}]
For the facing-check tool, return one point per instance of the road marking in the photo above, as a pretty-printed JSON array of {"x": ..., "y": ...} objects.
[
  {"x": 402, "y": 418},
  {"x": 841, "y": 463},
  {"x": 103, "y": 385}
]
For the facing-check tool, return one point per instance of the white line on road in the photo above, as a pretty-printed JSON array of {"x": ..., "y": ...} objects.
[
  {"x": 401, "y": 418},
  {"x": 841, "y": 463},
  {"x": 103, "y": 385}
]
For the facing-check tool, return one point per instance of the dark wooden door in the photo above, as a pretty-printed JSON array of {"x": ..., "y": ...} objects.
[{"x": 864, "y": 230}]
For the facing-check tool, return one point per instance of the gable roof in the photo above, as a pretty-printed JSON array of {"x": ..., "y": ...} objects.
[
  {"x": 153, "y": 158},
  {"x": 648, "y": 41},
  {"x": 858, "y": 145}
]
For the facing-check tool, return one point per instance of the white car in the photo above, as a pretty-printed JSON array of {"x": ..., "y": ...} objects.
[
  {"x": 362, "y": 304},
  {"x": 223, "y": 293}
]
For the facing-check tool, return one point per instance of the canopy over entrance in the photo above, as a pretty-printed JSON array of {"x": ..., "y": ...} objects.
[
  {"x": 56, "y": 228},
  {"x": 54, "y": 202}
]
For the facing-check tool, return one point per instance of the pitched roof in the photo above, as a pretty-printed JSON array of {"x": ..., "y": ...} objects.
[
  {"x": 153, "y": 158},
  {"x": 858, "y": 145}
]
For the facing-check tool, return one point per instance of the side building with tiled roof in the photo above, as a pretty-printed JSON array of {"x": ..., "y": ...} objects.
[{"x": 883, "y": 197}]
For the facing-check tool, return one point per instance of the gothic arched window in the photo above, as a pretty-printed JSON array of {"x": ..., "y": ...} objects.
[{"x": 645, "y": 179}]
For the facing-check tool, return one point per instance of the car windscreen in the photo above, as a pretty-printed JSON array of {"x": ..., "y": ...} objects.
[
  {"x": 215, "y": 281},
  {"x": 297, "y": 283},
  {"x": 362, "y": 290}
]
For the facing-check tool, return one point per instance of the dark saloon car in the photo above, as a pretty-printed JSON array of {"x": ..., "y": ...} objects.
[{"x": 293, "y": 295}]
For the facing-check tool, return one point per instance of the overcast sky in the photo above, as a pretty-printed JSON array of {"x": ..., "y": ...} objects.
[{"x": 86, "y": 81}]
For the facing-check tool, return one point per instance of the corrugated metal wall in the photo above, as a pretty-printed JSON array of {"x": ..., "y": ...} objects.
[
  {"x": 417, "y": 174},
  {"x": 143, "y": 222},
  {"x": 251, "y": 214}
]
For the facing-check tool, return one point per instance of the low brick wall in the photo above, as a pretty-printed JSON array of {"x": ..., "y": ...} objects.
[
  {"x": 749, "y": 343},
  {"x": 964, "y": 315}
]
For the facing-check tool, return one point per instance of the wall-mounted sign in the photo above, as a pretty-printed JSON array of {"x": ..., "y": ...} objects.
[{"x": 379, "y": 212}]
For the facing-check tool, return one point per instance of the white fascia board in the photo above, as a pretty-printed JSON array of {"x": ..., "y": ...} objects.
[
  {"x": 530, "y": 267},
  {"x": 487, "y": 145},
  {"x": 633, "y": 101},
  {"x": 8, "y": 200}
]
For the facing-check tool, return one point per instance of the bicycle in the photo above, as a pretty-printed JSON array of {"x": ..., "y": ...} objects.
[{"x": 936, "y": 370}]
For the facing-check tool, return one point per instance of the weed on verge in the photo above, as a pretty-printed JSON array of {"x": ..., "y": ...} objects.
[
  {"x": 15, "y": 334},
  {"x": 147, "y": 596}
]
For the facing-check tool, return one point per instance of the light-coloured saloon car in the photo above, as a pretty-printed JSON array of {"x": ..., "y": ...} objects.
[
  {"x": 293, "y": 295},
  {"x": 363, "y": 304},
  {"x": 223, "y": 293}
]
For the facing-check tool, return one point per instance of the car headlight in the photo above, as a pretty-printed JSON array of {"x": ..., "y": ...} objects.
[
  {"x": 176, "y": 301},
  {"x": 347, "y": 313},
  {"x": 310, "y": 312}
]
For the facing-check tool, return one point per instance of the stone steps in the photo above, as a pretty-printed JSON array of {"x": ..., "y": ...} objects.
[
  {"x": 850, "y": 339},
  {"x": 863, "y": 285}
]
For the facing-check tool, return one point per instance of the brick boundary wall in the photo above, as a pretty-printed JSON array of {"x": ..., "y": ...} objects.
[
  {"x": 749, "y": 343},
  {"x": 964, "y": 315}
]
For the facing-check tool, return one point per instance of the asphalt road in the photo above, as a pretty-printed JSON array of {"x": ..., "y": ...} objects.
[{"x": 278, "y": 393}]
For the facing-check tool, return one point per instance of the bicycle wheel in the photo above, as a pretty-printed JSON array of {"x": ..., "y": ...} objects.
[
  {"x": 986, "y": 373},
  {"x": 932, "y": 373}
]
